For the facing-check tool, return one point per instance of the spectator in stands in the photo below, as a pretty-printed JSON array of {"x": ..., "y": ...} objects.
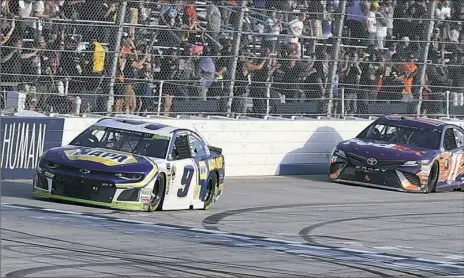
[
  {"x": 389, "y": 7},
  {"x": 436, "y": 44},
  {"x": 416, "y": 12},
  {"x": 404, "y": 49},
  {"x": 315, "y": 17},
  {"x": 273, "y": 27},
  {"x": 260, "y": 78},
  {"x": 285, "y": 6},
  {"x": 456, "y": 73},
  {"x": 190, "y": 22},
  {"x": 382, "y": 26},
  {"x": 351, "y": 75},
  {"x": 34, "y": 8},
  {"x": 295, "y": 30},
  {"x": 12, "y": 61},
  {"x": 8, "y": 27},
  {"x": 213, "y": 19},
  {"x": 356, "y": 19},
  {"x": 207, "y": 73},
  {"x": 314, "y": 82},
  {"x": 409, "y": 72},
  {"x": 168, "y": 16},
  {"x": 226, "y": 10},
  {"x": 369, "y": 67},
  {"x": 186, "y": 74},
  {"x": 371, "y": 23}
]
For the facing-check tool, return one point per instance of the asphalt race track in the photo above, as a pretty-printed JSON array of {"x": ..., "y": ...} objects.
[{"x": 261, "y": 227}]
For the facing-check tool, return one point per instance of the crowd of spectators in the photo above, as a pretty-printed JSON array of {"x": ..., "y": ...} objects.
[{"x": 57, "y": 50}]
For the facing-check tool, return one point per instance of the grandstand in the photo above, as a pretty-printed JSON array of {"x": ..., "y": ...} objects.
[{"x": 233, "y": 58}]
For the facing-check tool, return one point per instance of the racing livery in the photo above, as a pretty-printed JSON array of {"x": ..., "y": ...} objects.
[
  {"x": 402, "y": 153},
  {"x": 133, "y": 165}
]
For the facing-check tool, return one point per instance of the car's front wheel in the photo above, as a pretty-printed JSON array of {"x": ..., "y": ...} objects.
[
  {"x": 433, "y": 178},
  {"x": 157, "y": 194}
]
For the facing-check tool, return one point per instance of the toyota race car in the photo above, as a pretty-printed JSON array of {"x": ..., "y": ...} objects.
[
  {"x": 406, "y": 154},
  {"x": 133, "y": 165}
]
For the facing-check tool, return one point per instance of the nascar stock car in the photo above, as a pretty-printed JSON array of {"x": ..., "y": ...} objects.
[
  {"x": 133, "y": 165},
  {"x": 403, "y": 153}
]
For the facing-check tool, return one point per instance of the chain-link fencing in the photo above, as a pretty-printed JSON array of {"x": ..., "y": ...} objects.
[{"x": 233, "y": 57}]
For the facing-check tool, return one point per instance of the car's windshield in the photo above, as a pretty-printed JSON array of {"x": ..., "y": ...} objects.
[
  {"x": 146, "y": 144},
  {"x": 403, "y": 134}
]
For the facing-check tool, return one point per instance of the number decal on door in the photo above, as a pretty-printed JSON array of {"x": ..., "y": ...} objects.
[{"x": 185, "y": 181}]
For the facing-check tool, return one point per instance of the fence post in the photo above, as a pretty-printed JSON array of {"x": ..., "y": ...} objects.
[
  {"x": 447, "y": 93},
  {"x": 117, "y": 50},
  {"x": 268, "y": 98},
  {"x": 343, "y": 102},
  {"x": 424, "y": 56},
  {"x": 160, "y": 96},
  {"x": 236, "y": 51},
  {"x": 333, "y": 62}
]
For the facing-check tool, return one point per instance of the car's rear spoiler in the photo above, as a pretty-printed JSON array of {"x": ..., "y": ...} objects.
[{"x": 215, "y": 149}]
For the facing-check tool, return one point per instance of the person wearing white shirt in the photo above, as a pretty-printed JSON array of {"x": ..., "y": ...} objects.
[
  {"x": 371, "y": 23},
  {"x": 381, "y": 21},
  {"x": 32, "y": 8},
  {"x": 445, "y": 12},
  {"x": 296, "y": 27}
]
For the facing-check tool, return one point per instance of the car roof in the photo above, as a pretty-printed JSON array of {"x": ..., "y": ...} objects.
[
  {"x": 139, "y": 126},
  {"x": 419, "y": 122}
]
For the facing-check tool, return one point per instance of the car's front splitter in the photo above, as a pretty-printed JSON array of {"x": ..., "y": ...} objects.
[
  {"x": 129, "y": 206},
  {"x": 422, "y": 190}
]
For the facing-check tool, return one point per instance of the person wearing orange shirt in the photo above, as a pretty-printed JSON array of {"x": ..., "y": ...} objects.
[{"x": 410, "y": 71}]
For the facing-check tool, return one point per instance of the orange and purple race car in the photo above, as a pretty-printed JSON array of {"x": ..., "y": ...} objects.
[{"x": 402, "y": 153}]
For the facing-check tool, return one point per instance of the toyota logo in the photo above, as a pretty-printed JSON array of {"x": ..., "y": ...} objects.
[
  {"x": 84, "y": 171},
  {"x": 371, "y": 161}
]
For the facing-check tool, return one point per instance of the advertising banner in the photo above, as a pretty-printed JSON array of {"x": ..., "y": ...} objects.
[{"x": 23, "y": 140}]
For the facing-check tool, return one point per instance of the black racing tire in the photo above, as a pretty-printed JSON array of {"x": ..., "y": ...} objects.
[
  {"x": 433, "y": 178},
  {"x": 211, "y": 189},
  {"x": 158, "y": 193}
]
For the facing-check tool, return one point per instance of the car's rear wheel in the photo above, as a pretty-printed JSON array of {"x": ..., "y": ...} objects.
[
  {"x": 157, "y": 194},
  {"x": 211, "y": 188},
  {"x": 433, "y": 178}
]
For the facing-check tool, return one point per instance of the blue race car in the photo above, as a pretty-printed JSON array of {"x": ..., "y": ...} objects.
[
  {"x": 402, "y": 153},
  {"x": 133, "y": 165}
]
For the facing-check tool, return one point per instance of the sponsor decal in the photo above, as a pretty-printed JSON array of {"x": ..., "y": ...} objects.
[
  {"x": 105, "y": 157},
  {"x": 196, "y": 192},
  {"x": 367, "y": 169},
  {"x": 145, "y": 195},
  {"x": 215, "y": 163},
  {"x": 219, "y": 162},
  {"x": 386, "y": 146},
  {"x": 203, "y": 170}
]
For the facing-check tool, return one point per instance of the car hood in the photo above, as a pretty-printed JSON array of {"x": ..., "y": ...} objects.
[
  {"x": 100, "y": 159},
  {"x": 384, "y": 151}
]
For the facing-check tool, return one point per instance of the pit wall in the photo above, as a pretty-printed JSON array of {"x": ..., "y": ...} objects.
[{"x": 250, "y": 147}]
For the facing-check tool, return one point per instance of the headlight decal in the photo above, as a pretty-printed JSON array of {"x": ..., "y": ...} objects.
[{"x": 416, "y": 163}]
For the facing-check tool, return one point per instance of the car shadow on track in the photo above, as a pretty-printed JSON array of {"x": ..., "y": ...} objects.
[{"x": 313, "y": 157}]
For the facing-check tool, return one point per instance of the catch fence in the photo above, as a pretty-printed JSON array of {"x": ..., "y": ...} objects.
[{"x": 233, "y": 58}]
